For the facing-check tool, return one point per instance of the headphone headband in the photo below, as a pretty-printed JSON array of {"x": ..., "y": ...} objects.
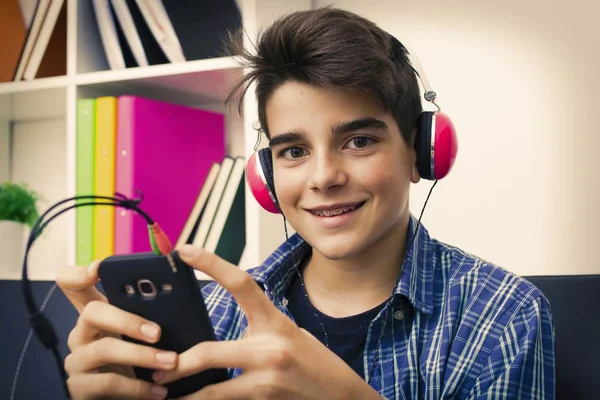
[{"x": 397, "y": 50}]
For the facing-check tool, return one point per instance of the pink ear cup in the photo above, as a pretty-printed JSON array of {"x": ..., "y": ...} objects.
[
  {"x": 445, "y": 146},
  {"x": 258, "y": 185}
]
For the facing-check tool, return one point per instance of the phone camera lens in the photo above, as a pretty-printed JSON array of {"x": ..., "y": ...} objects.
[{"x": 146, "y": 288}]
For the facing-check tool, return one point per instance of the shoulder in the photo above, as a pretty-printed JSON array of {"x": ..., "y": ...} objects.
[
  {"x": 498, "y": 326},
  {"x": 484, "y": 285}
]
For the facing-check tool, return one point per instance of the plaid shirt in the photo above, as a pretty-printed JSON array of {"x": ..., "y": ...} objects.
[{"x": 467, "y": 329}]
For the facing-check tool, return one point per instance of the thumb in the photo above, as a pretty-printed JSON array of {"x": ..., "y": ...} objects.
[{"x": 78, "y": 284}]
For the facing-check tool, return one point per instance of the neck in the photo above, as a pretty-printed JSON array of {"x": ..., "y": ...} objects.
[{"x": 341, "y": 288}]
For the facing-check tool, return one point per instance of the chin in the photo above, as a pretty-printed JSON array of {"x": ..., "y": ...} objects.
[{"x": 337, "y": 247}]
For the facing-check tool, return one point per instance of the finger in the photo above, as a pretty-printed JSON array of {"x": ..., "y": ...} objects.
[
  {"x": 109, "y": 350},
  {"x": 246, "y": 386},
  {"x": 83, "y": 333},
  {"x": 78, "y": 284},
  {"x": 106, "y": 317},
  {"x": 208, "y": 355},
  {"x": 260, "y": 352},
  {"x": 110, "y": 385},
  {"x": 257, "y": 307}
]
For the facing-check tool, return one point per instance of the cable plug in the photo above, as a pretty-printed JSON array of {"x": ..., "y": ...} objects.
[{"x": 161, "y": 243}]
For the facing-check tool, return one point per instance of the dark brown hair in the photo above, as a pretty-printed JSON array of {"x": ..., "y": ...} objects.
[{"x": 333, "y": 49}]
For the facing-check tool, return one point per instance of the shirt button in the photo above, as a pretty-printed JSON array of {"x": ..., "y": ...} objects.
[
  {"x": 285, "y": 302},
  {"x": 398, "y": 315}
]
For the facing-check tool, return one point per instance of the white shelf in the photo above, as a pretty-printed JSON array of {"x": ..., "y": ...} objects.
[
  {"x": 156, "y": 71},
  {"x": 38, "y": 122},
  {"x": 193, "y": 82},
  {"x": 33, "y": 102},
  {"x": 35, "y": 85}
]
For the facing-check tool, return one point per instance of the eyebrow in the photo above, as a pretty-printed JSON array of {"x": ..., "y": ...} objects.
[{"x": 338, "y": 129}]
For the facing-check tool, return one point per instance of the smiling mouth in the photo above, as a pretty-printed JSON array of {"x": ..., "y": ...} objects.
[{"x": 336, "y": 211}]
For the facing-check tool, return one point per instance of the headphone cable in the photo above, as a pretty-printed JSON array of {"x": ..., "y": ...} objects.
[
  {"x": 296, "y": 261},
  {"x": 42, "y": 327}
]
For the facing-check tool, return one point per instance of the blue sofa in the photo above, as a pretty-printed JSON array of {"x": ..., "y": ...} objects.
[{"x": 575, "y": 304}]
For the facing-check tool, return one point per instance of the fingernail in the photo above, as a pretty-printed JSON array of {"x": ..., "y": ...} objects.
[
  {"x": 91, "y": 270},
  {"x": 149, "y": 330},
  {"x": 166, "y": 357},
  {"x": 187, "y": 250},
  {"x": 158, "y": 375},
  {"x": 159, "y": 392}
]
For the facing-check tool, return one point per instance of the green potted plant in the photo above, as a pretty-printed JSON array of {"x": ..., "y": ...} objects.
[{"x": 18, "y": 213}]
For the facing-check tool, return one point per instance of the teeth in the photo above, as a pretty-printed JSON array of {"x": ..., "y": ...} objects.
[{"x": 330, "y": 213}]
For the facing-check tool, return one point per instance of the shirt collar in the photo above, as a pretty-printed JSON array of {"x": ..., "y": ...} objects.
[{"x": 415, "y": 282}]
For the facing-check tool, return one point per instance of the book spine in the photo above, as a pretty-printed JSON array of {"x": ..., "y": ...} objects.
[
  {"x": 125, "y": 153},
  {"x": 84, "y": 181},
  {"x": 106, "y": 114}
]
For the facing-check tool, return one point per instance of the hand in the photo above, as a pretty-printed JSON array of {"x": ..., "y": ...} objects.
[
  {"x": 280, "y": 360},
  {"x": 100, "y": 362}
]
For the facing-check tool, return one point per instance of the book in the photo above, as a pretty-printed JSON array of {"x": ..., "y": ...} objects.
[
  {"x": 200, "y": 29},
  {"x": 35, "y": 25},
  {"x": 49, "y": 54},
  {"x": 109, "y": 35},
  {"x": 165, "y": 152},
  {"x": 104, "y": 175},
  {"x": 189, "y": 230},
  {"x": 159, "y": 24},
  {"x": 212, "y": 203},
  {"x": 126, "y": 25},
  {"x": 152, "y": 50},
  {"x": 84, "y": 180},
  {"x": 227, "y": 235},
  {"x": 13, "y": 29}
]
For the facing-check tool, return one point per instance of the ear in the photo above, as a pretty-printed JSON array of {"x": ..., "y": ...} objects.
[{"x": 415, "y": 176}]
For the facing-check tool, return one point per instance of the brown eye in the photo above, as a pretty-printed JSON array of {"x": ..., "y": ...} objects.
[
  {"x": 293, "y": 153},
  {"x": 360, "y": 142},
  {"x": 296, "y": 152}
]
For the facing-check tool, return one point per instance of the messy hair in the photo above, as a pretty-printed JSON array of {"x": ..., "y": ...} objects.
[{"x": 332, "y": 49}]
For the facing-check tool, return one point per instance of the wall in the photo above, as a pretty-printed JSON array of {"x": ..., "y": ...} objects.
[
  {"x": 4, "y": 149},
  {"x": 518, "y": 79}
]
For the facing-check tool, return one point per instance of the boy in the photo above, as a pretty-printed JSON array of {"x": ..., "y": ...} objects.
[{"x": 361, "y": 303}]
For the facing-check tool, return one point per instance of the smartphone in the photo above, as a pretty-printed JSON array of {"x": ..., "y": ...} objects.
[{"x": 162, "y": 289}]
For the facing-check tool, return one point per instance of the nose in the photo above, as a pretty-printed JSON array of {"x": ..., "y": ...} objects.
[{"x": 327, "y": 172}]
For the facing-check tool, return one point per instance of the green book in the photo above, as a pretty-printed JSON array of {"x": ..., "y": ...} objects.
[{"x": 84, "y": 180}]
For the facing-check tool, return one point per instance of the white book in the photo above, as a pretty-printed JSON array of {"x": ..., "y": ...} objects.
[
  {"x": 34, "y": 30},
  {"x": 213, "y": 203},
  {"x": 28, "y": 9},
  {"x": 161, "y": 27},
  {"x": 233, "y": 183},
  {"x": 41, "y": 40},
  {"x": 199, "y": 205},
  {"x": 211, "y": 209},
  {"x": 129, "y": 30},
  {"x": 108, "y": 35}
]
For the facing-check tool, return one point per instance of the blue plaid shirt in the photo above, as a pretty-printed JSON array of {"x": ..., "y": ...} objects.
[{"x": 470, "y": 330}]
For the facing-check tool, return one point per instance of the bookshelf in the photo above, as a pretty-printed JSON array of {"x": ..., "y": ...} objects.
[{"x": 38, "y": 124}]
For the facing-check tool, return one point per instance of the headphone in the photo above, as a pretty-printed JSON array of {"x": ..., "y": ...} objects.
[{"x": 436, "y": 144}]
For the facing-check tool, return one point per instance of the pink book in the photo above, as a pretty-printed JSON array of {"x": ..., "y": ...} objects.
[{"x": 165, "y": 151}]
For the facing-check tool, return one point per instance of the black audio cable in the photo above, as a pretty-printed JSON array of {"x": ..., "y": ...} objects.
[{"x": 42, "y": 327}]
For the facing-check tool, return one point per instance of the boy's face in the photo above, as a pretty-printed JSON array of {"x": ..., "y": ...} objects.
[{"x": 341, "y": 168}]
